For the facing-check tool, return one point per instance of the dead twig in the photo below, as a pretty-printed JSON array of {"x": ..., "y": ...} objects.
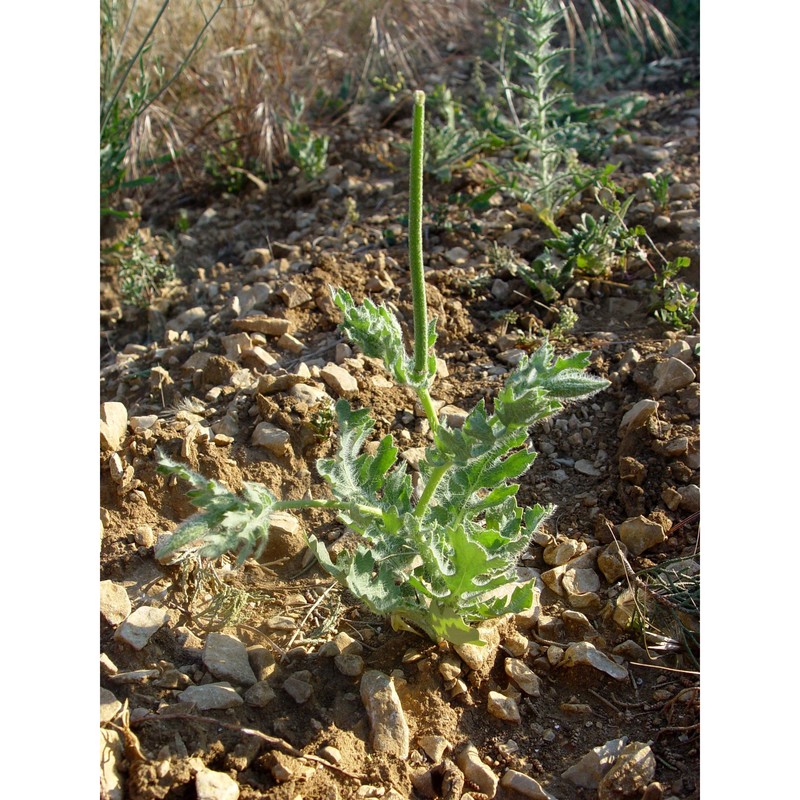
[
  {"x": 605, "y": 702},
  {"x": 676, "y": 729}
]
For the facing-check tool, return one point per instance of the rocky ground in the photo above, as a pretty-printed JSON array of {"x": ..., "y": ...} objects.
[{"x": 269, "y": 681}]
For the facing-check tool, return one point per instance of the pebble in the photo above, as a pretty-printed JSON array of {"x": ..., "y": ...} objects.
[
  {"x": 349, "y": 664},
  {"x": 524, "y": 785},
  {"x": 109, "y": 705},
  {"x": 690, "y": 497},
  {"x": 475, "y": 771},
  {"x": 587, "y": 468},
  {"x": 291, "y": 343},
  {"x": 632, "y": 470},
  {"x": 456, "y": 255},
  {"x": 435, "y": 747},
  {"x": 293, "y": 295},
  {"x": 113, "y": 425},
  {"x": 637, "y": 416},
  {"x": 640, "y": 534},
  {"x": 235, "y": 344},
  {"x": 226, "y": 658},
  {"x": 115, "y": 605},
  {"x": 189, "y": 319},
  {"x": 585, "y": 653},
  {"x": 299, "y": 690},
  {"x": 523, "y": 676},
  {"x": 143, "y": 423},
  {"x": 388, "y": 726},
  {"x": 211, "y": 785},
  {"x": 137, "y": 629},
  {"x": 259, "y": 695},
  {"x": 135, "y": 676},
  {"x": 341, "y": 643},
  {"x": 670, "y": 376},
  {"x": 589, "y": 771},
  {"x": 339, "y": 379},
  {"x": 271, "y": 438},
  {"x": 211, "y": 696},
  {"x": 681, "y": 351},
  {"x": 504, "y": 708},
  {"x": 477, "y": 656},
  {"x": 634, "y": 768},
  {"x": 610, "y": 563},
  {"x": 262, "y": 661},
  {"x": 269, "y": 326},
  {"x": 331, "y": 754}
]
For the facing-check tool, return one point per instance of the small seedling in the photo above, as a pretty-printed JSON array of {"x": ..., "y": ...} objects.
[
  {"x": 673, "y": 301},
  {"x": 440, "y": 556}
]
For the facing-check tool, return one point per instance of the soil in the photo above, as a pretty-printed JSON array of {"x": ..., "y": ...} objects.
[{"x": 652, "y": 471}]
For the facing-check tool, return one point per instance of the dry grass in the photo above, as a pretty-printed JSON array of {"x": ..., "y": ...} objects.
[{"x": 236, "y": 93}]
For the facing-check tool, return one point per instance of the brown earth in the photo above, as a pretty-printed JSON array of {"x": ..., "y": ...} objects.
[{"x": 645, "y": 472}]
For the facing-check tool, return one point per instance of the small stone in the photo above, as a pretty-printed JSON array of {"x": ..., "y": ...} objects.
[
  {"x": 226, "y": 658},
  {"x": 477, "y": 656},
  {"x": 271, "y": 438},
  {"x": 681, "y": 351},
  {"x": 282, "y": 767},
  {"x": 211, "y": 785},
  {"x": 144, "y": 536},
  {"x": 281, "y": 622},
  {"x": 561, "y": 552},
  {"x": 523, "y": 676},
  {"x": 269, "y": 326},
  {"x": 588, "y": 772},
  {"x": 137, "y": 629},
  {"x": 115, "y": 605},
  {"x": 331, "y": 754},
  {"x": 109, "y": 705},
  {"x": 453, "y": 415},
  {"x": 299, "y": 690},
  {"x": 670, "y": 376},
  {"x": 339, "y": 379},
  {"x": 634, "y": 768},
  {"x": 690, "y": 497},
  {"x": 388, "y": 726},
  {"x": 349, "y": 664},
  {"x": 291, "y": 343},
  {"x": 435, "y": 747},
  {"x": 259, "y": 695},
  {"x": 587, "y": 468},
  {"x": 113, "y": 425},
  {"x": 475, "y": 771},
  {"x": 262, "y": 662},
  {"x": 211, "y": 696},
  {"x": 456, "y": 255},
  {"x": 504, "y": 708},
  {"x": 235, "y": 344},
  {"x": 190, "y": 319},
  {"x": 143, "y": 423},
  {"x": 501, "y": 291},
  {"x": 637, "y": 416},
  {"x": 585, "y": 653},
  {"x": 293, "y": 295},
  {"x": 677, "y": 447},
  {"x": 640, "y": 534},
  {"x": 524, "y": 785},
  {"x": 610, "y": 561},
  {"x": 341, "y": 643},
  {"x": 135, "y": 676},
  {"x": 632, "y": 470}
]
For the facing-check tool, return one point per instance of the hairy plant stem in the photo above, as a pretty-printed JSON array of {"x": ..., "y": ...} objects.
[
  {"x": 430, "y": 487},
  {"x": 415, "y": 242}
]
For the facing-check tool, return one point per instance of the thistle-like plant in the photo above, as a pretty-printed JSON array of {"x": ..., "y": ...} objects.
[{"x": 442, "y": 557}]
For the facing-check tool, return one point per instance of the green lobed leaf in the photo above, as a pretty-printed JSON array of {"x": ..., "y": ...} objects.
[{"x": 228, "y": 523}]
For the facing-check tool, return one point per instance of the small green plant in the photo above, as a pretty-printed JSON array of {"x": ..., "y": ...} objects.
[
  {"x": 567, "y": 320},
  {"x": 593, "y": 247},
  {"x": 443, "y": 557},
  {"x": 673, "y": 301},
  {"x": 546, "y": 173},
  {"x": 306, "y": 149},
  {"x": 141, "y": 274},
  {"x": 658, "y": 187}
]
